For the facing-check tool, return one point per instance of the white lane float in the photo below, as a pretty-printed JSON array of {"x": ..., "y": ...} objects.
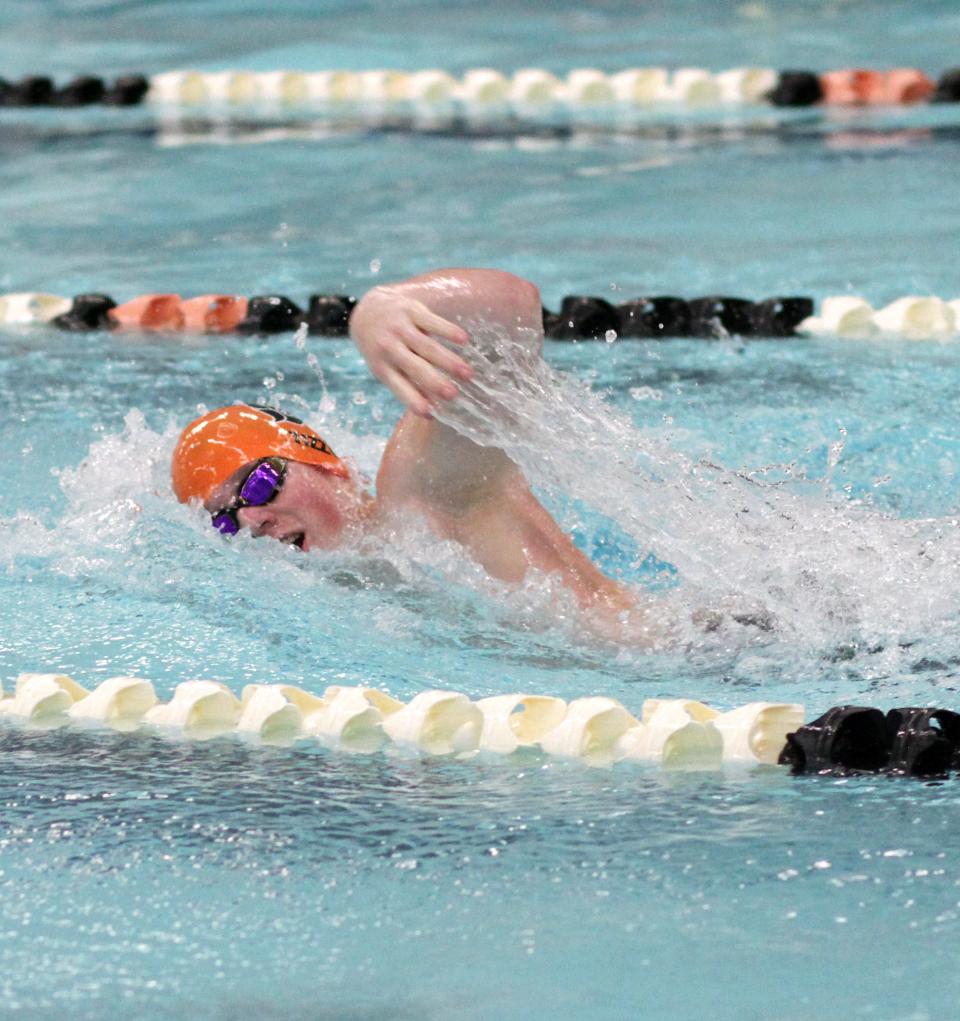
[
  {"x": 199, "y": 709},
  {"x": 232, "y": 87},
  {"x": 326, "y": 87},
  {"x": 180, "y": 88},
  {"x": 916, "y": 317},
  {"x": 588, "y": 87},
  {"x": 746, "y": 84},
  {"x": 676, "y": 733},
  {"x": 533, "y": 86},
  {"x": 483, "y": 86},
  {"x": 757, "y": 731},
  {"x": 690, "y": 86},
  {"x": 639, "y": 86},
  {"x": 518, "y": 721},
  {"x": 954, "y": 307},
  {"x": 41, "y": 699},
  {"x": 913, "y": 317},
  {"x": 383, "y": 86},
  {"x": 432, "y": 87},
  {"x": 32, "y": 307},
  {"x": 283, "y": 88},
  {"x": 590, "y": 731},
  {"x": 350, "y": 718},
  {"x": 267, "y": 715},
  {"x": 841, "y": 316},
  {"x": 436, "y": 722},
  {"x": 119, "y": 702}
]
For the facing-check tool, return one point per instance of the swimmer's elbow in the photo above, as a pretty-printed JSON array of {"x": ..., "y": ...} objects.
[
  {"x": 495, "y": 288},
  {"x": 515, "y": 290},
  {"x": 515, "y": 298}
]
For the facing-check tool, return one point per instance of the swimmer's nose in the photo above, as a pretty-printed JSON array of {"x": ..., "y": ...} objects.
[{"x": 260, "y": 520}]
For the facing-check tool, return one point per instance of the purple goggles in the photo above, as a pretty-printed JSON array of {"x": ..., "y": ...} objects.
[{"x": 259, "y": 487}]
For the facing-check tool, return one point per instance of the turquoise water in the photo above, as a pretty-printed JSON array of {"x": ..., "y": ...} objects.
[{"x": 146, "y": 878}]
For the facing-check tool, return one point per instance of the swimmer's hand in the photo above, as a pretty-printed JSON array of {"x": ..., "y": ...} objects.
[{"x": 400, "y": 339}]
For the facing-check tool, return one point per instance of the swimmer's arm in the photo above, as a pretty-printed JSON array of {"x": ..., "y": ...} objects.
[
  {"x": 399, "y": 327},
  {"x": 478, "y": 497}
]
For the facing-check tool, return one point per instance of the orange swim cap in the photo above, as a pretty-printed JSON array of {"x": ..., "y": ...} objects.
[{"x": 214, "y": 446}]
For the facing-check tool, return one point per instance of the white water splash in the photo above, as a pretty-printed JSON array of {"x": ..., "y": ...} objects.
[{"x": 828, "y": 570}]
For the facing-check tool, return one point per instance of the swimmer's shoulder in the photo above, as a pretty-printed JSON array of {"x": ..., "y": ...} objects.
[
  {"x": 428, "y": 463},
  {"x": 397, "y": 477}
]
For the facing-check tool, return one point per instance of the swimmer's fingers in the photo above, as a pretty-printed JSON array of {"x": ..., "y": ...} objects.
[
  {"x": 402, "y": 342},
  {"x": 431, "y": 323},
  {"x": 411, "y": 378},
  {"x": 429, "y": 382},
  {"x": 406, "y": 392},
  {"x": 432, "y": 351}
]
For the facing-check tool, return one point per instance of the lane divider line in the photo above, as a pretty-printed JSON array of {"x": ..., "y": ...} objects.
[{"x": 580, "y": 317}]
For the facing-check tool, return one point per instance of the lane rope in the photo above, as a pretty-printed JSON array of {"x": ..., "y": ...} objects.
[
  {"x": 599, "y": 731},
  {"x": 580, "y": 317},
  {"x": 522, "y": 92}
]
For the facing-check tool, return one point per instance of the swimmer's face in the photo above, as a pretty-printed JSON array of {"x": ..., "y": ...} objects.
[{"x": 311, "y": 507}]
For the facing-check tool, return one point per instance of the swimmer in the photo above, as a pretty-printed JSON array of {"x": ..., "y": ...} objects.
[{"x": 256, "y": 469}]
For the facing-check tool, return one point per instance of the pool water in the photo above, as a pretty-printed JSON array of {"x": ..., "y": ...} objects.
[{"x": 817, "y": 479}]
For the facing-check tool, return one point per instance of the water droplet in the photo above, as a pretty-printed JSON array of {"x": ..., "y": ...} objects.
[
  {"x": 374, "y": 266},
  {"x": 610, "y": 336}
]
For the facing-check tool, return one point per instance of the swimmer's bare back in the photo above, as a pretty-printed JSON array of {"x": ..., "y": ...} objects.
[{"x": 474, "y": 495}]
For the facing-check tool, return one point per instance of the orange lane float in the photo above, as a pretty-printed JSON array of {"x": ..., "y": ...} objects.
[
  {"x": 149, "y": 312},
  {"x": 213, "y": 313},
  {"x": 851, "y": 86},
  {"x": 859, "y": 86},
  {"x": 907, "y": 85}
]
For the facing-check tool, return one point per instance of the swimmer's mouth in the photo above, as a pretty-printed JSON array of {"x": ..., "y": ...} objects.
[{"x": 295, "y": 539}]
